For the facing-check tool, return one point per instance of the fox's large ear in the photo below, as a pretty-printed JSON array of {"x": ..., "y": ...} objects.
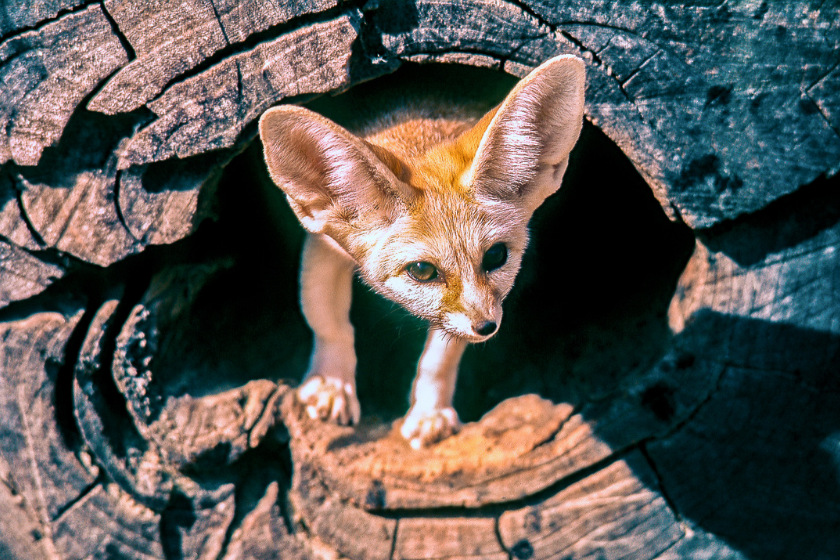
[
  {"x": 331, "y": 177},
  {"x": 524, "y": 150}
]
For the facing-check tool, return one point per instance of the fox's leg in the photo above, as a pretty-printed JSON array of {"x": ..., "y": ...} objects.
[
  {"x": 326, "y": 279},
  {"x": 431, "y": 416}
]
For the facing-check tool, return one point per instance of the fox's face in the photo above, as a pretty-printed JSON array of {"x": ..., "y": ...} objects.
[
  {"x": 451, "y": 260},
  {"x": 441, "y": 232}
]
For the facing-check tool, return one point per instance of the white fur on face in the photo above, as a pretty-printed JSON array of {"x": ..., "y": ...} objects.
[
  {"x": 462, "y": 325},
  {"x": 452, "y": 232}
]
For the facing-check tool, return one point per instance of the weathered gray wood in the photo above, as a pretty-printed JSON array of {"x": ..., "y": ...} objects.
[
  {"x": 773, "y": 320},
  {"x": 263, "y": 534},
  {"x": 108, "y": 523},
  {"x": 615, "y": 513},
  {"x": 80, "y": 220},
  {"x": 16, "y": 15},
  {"x": 694, "y": 69},
  {"x": 619, "y": 99},
  {"x": 242, "y": 19},
  {"x": 23, "y": 275},
  {"x": 491, "y": 28},
  {"x": 337, "y": 525},
  {"x": 36, "y": 460},
  {"x": 19, "y": 525},
  {"x": 210, "y": 110},
  {"x": 70, "y": 201},
  {"x": 796, "y": 286},
  {"x": 763, "y": 494},
  {"x": 144, "y": 460},
  {"x": 46, "y": 74},
  {"x": 160, "y": 203},
  {"x": 169, "y": 39},
  {"x": 13, "y": 226},
  {"x": 114, "y": 443}
]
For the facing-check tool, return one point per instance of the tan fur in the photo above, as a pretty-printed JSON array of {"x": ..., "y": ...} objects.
[{"x": 428, "y": 183}]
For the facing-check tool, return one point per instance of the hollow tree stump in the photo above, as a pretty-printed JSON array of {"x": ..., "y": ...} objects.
[{"x": 149, "y": 341}]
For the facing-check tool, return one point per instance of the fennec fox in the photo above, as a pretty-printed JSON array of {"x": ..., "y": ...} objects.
[{"x": 431, "y": 208}]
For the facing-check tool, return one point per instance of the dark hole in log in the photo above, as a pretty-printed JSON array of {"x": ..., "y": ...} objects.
[
  {"x": 589, "y": 306},
  {"x": 588, "y": 309}
]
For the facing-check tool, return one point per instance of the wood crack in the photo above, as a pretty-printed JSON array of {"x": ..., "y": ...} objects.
[
  {"x": 823, "y": 115},
  {"x": 219, "y": 19},
  {"x": 670, "y": 546},
  {"x": 660, "y": 483},
  {"x": 394, "y": 539},
  {"x": 86, "y": 491},
  {"x": 44, "y": 22},
  {"x": 497, "y": 532},
  {"x": 694, "y": 412},
  {"x": 17, "y": 180},
  {"x": 256, "y": 39},
  {"x": 41, "y": 509},
  {"x": 518, "y": 48},
  {"x": 64, "y": 414},
  {"x": 639, "y": 67},
  {"x": 118, "y": 207},
  {"x": 767, "y": 229},
  {"x": 530, "y": 11},
  {"x": 126, "y": 44},
  {"x": 597, "y": 61},
  {"x": 822, "y": 77}
]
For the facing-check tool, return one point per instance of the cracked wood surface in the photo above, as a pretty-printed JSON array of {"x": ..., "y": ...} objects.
[
  {"x": 46, "y": 74},
  {"x": 169, "y": 40},
  {"x": 129, "y": 432}
]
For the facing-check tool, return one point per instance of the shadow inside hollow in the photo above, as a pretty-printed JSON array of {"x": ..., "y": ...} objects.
[{"x": 589, "y": 306}]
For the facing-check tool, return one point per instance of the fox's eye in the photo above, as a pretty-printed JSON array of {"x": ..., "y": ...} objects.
[
  {"x": 494, "y": 257},
  {"x": 422, "y": 271}
]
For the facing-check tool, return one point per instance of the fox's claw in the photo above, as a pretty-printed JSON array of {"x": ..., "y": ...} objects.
[
  {"x": 425, "y": 427},
  {"x": 330, "y": 399}
]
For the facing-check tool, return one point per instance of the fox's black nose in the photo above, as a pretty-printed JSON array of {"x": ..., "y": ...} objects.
[{"x": 485, "y": 328}]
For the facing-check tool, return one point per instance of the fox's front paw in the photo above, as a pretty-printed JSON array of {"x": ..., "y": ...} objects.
[
  {"x": 330, "y": 398},
  {"x": 425, "y": 427}
]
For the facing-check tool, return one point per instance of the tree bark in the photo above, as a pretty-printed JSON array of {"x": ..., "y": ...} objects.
[{"x": 685, "y": 407}]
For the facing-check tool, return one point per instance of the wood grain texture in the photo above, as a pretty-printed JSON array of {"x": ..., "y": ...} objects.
[
  {"x": 448, "y": 537},
  {"x": 161, "y": 203},
  {"x": 69, "y": 199},
  {"x": 210, "y": 110},
  {"x": 263, "y": 533},
  {"x": 522, "y": 447},
  {"x": 46, "y": 73},
  {"x": 39, "y": 466},
  {"x": 108, "y": 523},
  {"x": 18, "y": 15},
  {"x": 132, "y": 425},
  {"x": 23, "y": 275},
  {"x": 615, "y": 513},
  {"x": 169, "y": 40},
  {"x": 13, "y": 224}
]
